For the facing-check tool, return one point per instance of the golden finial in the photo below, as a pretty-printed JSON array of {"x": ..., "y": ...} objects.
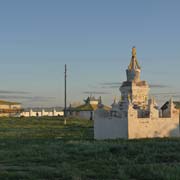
[{"x": 134, "y": 51}]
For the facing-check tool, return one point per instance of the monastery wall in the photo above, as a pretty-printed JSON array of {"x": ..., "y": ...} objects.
[
  {"x": 132, "y": 127},
  {"x": 32, "y": 113},
  {"x": 110, "y": 128},
  {"x": 153, "y": 127},
  {"x": 25, "y": 114},
  {"x": 60, "y": 113}
]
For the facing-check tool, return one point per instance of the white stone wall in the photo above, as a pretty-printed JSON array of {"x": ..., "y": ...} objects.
[
  {"x": 106, "y": 127},
  {"x": 32, "y": 113},
  {"x": 44, "y": 113},
  {"x": 149, "y": 128},
  {"x": 154, "y": 126},
  {"x": 58, "y": 113},
  {"x": 25, "y": 114},
  {"x": 110, "y": 127}
]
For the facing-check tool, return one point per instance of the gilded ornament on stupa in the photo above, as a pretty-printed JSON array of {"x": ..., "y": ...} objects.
[{"x": 134, "y": 51}]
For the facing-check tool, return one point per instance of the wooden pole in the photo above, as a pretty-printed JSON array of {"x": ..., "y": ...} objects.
[{"x": 65, "y": 93}]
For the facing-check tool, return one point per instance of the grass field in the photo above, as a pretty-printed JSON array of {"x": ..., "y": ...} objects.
[{"x": 43, "y": 148}]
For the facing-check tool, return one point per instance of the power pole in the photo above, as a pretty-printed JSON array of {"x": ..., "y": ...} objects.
[{"x": 65, "y": 93}]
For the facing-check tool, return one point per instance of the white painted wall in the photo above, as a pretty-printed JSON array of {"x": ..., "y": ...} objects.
[
  {"x": 25, "y": 114},
  {"x": 32, "y": 113},
  {"x": 154, "y": 127},
  {"x": 58, "y": 113},
  {"x": 106, "y": 127},
  {"x": 110, "y": 128}
]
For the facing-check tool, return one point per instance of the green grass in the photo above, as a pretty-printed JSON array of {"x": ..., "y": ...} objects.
[{"x": 43, "y": 148}]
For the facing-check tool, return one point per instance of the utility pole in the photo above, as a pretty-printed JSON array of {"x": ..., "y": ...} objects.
[{"x": 65, "y": 94}]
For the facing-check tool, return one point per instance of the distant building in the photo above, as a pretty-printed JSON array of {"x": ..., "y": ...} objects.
[
  {"x": 136, "y": 115},
  {"x": 38, "y": 112},
  {"x": 164, "y": 108},
  {"x": 8, "y": 109},
  {"x": 86, "y": 110}
]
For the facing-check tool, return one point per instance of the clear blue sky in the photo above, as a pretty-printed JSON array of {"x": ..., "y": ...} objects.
[{"x": 94, "y": 38}]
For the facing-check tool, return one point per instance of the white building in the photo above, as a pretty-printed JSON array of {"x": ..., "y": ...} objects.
[{"x": 135, "y": 115}]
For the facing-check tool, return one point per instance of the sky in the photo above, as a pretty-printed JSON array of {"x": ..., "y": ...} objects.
[{"x": 94, "y": 38}]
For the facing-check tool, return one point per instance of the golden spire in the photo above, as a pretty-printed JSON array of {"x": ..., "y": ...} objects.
[
  {"x": 134, "y": 51},
  {"x": 134, "y": 63}
]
